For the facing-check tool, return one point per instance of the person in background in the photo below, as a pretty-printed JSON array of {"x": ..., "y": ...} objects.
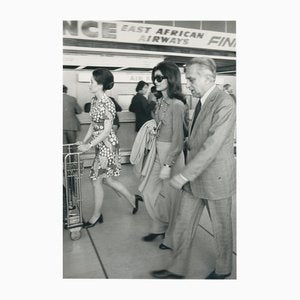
[
  {"x": 70, "y": 122},
  {"x": 141, "y": 106},
  {"x": 208, "y": 177},
  {"x": 154, "y": 94},
  {"x": 116, "y": 122},
  {"x": 169, "y": 116},
  {"x": 107, "y": 162},
  {"x": 227, "y": 88},
  {"x": 87, "y": 107}
]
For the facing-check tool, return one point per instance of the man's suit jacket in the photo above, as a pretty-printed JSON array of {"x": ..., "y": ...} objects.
[
  {"x": 210, "y": 161},
  {"x": 70, "y": 109}
]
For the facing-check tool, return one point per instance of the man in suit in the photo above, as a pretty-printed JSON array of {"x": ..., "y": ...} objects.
[
  {"x": 70, "y": 122},
  {"x": 208, "y": 177}
]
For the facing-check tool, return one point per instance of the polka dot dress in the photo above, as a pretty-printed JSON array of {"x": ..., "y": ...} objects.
[{"x": 107, "y": 160}]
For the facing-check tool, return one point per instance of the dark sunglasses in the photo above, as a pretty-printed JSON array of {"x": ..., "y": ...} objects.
[{"x": 159, "y": 78}]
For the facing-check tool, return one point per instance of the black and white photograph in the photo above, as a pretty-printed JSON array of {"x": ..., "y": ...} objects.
[{"x": 149, "y": 149}]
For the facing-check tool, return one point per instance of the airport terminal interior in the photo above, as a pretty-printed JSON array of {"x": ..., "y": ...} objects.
[{"x": 114, "y": 249}]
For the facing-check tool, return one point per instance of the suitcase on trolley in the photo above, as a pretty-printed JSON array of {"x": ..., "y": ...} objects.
[{"x": 72, "y": 195}]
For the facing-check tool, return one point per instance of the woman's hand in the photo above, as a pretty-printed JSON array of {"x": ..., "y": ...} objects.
[
  {"x": 84, "y": 147},
  {"x": 165, "y": 172},
  {"x": 79, "y": 143}
]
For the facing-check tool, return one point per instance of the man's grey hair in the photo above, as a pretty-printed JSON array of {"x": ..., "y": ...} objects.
[{"x": 204, "y": 63}]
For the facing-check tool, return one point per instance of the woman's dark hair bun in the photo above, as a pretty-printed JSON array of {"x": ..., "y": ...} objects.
[
  {"x": 109, "y": 86},
  {"x": 105, "y": 77}
]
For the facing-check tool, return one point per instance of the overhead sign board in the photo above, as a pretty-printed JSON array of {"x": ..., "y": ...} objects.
[
  {"x": 128, "y": 77},
  {"x": 132, "y": 77},
  {"x": 139, "y": 33}
]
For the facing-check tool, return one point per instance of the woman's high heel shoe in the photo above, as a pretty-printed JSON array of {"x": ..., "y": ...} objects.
[
  {"x": 89, "y": 225},
  {"x": 137, "y": 199},
  {"x": 100, "y": 220}
]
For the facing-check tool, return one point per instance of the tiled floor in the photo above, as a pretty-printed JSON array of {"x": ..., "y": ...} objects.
[{"x": 114, "y": 249}]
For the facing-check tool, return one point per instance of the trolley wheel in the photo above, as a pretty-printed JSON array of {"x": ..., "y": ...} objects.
[{"x": 75, "y": 235}]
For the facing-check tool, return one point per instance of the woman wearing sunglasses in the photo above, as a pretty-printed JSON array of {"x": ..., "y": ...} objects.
[{"x": 170, "y": 116}]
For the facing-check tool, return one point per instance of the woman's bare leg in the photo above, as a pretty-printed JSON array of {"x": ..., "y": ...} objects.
[
  {"x": 119, "y": 187},
  {"x": 98, "y": 198}
]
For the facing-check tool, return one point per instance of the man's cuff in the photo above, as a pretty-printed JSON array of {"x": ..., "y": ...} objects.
[{"x": 185, "y": 179}]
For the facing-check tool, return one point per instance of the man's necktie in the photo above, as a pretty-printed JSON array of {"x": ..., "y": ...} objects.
[{"x": 196, "y": 113}]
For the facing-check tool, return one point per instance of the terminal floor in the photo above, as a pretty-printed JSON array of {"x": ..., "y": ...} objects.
[{"x": 114, "y": 249}]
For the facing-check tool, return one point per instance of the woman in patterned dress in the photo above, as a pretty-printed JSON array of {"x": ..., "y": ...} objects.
[{"x": 101, "y": 136}]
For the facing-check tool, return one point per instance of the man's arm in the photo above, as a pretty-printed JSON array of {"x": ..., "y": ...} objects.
[
  {"x": 147, "y": 106},
  {"x": 222, "y": 125},
  {"x": 132, "y": 105}
]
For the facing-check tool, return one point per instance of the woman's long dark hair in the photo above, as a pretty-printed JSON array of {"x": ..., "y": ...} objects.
[{"x": 171, "y": 71}]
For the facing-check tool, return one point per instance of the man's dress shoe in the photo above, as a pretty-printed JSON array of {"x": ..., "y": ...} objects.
[
  {"x": 152, "y": 236},
  {"x": 165, "y": 274},
  {"x": 214, "y": 275}
]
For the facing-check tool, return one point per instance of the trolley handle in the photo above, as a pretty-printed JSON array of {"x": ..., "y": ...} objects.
[
  {"x": 70, "y": 148},
  {"x": 73, "y": 153}
]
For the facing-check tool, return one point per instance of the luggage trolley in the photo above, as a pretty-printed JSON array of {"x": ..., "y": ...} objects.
[{"x": 72, "y": 197}]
